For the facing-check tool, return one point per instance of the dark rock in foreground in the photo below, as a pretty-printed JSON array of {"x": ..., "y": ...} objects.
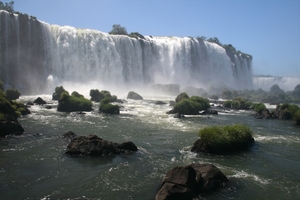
[
  {"x": 92, "y": 145},
  {"x": 188, "y": 182}
]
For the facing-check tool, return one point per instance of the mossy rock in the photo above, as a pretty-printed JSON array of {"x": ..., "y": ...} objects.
[
  {"x": 68, "y": 103},
  {"x": 224, "y": 139},
  {"x": 58, "y": 91}
]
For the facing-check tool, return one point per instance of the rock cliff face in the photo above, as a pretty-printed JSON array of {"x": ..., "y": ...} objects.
[{"x": 34, "y": 53}]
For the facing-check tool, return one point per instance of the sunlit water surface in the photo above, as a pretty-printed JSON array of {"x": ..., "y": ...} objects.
[{"x": 34, "y": 166}]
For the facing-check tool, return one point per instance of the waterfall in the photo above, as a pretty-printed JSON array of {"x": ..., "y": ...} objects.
[
  {"x": 266, "y": 82},
  {"x": 42, "y": 53}
]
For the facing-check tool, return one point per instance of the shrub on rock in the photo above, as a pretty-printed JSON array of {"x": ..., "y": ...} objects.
[
  {"x": 224, "y": 139},
  {"x": 8, "y": 117},
  {"x": 12, "y": 94},
  {"x": 107, "y": 107},
  {"x": 96, "y": 95},
  {"x": 181, "y": 96},
  {"x": 68, "y": 103},
  {"x": 191, "y": 106},
  {"x": 58, "y": 91},
  {"x": 297, "y": 117}
]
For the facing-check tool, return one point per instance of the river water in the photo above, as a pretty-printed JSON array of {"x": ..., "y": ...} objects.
[{"x": 34, "y": 166}]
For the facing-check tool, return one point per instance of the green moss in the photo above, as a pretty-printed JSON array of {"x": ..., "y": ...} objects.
[
  {"x": 258, "y": 107},
  {"x": 297, "y": 117},
  {"x": 12, "y": 94},
  {"x": 107, "y": 107},
  {"x": 225, "y": 139},
  {"x": 182, "y": 96},
  {"x": 69, "y": 103},
  {"x": 191, "y": 106},
  {"x": 58, "y": 91}
]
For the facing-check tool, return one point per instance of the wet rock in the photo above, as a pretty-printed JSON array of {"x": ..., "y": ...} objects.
[
  {"x": 93, "y": 145},
  {"x": 39, "y": 101},
  {"x": 160, "y": 103},
  {"x": 134, "y": 96},
  {"x": 188, "y": 182}
]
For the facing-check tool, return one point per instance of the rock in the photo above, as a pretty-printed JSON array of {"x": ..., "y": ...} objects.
[
  {"x": 29, "y": 103},
  {"x": 69, "y": 135},
  {"x": 201, "y": 146},
  {"x": 188, "y": 182},
  {"x": 134, "y": 96},
  {"x": 265, "y": 114},
  {"x": 211, "y": 112},
  {"x": 48, "y": 107},
  {"x": 92, "y": 145},
  {"x": 172, "y": 103},
  {"x": 178, "y": 115},
  {"x": 8, "y": 118},
  {"x": 39, "y": 101},
  {"x": 160, "y": 103},
  {"x": 211, "y": 176}
]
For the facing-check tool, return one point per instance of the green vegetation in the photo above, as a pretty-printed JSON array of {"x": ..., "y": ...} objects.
[
  {"x": 226, "y": 139},
  {"x": 58, "y": 91},
  {"x": 237, "y": 104},
  {"x": 12, "y": 94},
  {"x": 9, "y": 7},
  {"x": 13, "y": 108},
  {"x": 297, "y": 117},
  {"x": 182, "y": 96},
  {"x": 258, "y": 107},
  {"x": 190, "y": 106},
  {"x": 67, "y": 103},
  {"x": 107, "y": 107},
  {"x": 97, "y": 96},
  {"x": 1, "y": 86},
  {"x": 287, "y": 111},
  {"x": 117, "y": 29},
  {"x": 76, "y": 94}
]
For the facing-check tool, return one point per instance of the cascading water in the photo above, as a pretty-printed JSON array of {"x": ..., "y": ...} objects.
[
  {"x": 285, "y": 83},
  {"x": 61, "y": 54}
]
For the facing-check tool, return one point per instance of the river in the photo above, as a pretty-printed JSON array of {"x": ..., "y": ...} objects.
[{"x": 34, "y": 166}]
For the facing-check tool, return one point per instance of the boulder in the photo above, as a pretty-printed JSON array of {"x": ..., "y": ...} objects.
[
  {"x": 39, "y": 101},
  {"x": 8, "y": 118},
  {"x": 134, "y": 96},
  {"x": 188, "y": 182},
  {"x": 69, "y": 135},
  {"x": 160, "y": 103},
  {"x": 92, "y": 145}
]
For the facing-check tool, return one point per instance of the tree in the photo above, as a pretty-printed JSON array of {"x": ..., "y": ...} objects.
[
  {"x": 118, "y": 30},
  {"x": 9, "y": 7}
]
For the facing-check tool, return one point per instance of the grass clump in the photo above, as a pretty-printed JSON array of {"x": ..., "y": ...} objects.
[
  {"x": 226, "y": 139},
  {"x": 67, "y": 103},
  {"x": 107, "y": 107},
  {"x": 191, "y": 106}
]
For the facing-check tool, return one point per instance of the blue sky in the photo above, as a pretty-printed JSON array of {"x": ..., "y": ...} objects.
[{"x": 269, "y": 30}]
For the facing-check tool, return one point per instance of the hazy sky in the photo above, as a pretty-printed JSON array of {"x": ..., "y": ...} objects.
[{"x": 269, "y": 30}]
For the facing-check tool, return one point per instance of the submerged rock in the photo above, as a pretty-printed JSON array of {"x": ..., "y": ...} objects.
[
  {"x": 93, "y": 145},
  {"x": 188, "y": 182}
]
